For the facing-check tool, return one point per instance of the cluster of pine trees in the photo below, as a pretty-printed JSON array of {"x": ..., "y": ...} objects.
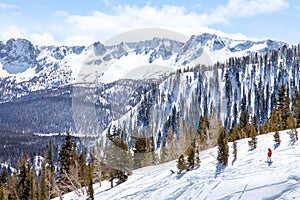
[
  {"x": 72, "y": 172},
  {"x": 285, "y": 115}
]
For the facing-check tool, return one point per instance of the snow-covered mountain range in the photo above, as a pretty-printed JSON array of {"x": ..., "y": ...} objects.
[{"x": 40, "y": 67}]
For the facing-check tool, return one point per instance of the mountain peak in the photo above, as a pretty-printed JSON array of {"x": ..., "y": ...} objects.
[{"x": 18, "y": 55}]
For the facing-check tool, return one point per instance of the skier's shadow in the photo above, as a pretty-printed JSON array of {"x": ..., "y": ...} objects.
[
  {"x": 276, "y": 146},
  {"x": 269, "y": 163}
]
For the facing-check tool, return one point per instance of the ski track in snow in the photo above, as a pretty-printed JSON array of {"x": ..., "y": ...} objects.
[{"x": 250, "y": 177}]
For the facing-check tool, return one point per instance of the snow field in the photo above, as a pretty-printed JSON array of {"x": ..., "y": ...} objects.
[{"x": 248, "y": 177}]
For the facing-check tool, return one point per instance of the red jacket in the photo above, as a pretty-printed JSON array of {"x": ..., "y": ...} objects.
[{"x": 269, "y": 153}]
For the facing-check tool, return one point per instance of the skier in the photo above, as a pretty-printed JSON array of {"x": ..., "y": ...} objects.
[{"x": 269, "y": 155}]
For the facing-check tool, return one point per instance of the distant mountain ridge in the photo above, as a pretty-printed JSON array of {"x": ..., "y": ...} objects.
[{"x": 59, "y": 65}]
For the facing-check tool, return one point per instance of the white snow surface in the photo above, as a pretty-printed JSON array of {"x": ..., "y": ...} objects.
[{"x": 248, "y": 177}]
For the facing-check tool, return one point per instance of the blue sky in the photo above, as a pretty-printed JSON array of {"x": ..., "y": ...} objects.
[{"x": 81, "y": 22}]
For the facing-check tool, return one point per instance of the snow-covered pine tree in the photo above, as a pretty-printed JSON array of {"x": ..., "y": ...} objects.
[
  {"x": 292, "y": 135},
  {"x": 291, "y": 122}
]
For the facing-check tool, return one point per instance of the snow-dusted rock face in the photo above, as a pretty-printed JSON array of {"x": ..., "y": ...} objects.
[{"x": 18, "y": 55}]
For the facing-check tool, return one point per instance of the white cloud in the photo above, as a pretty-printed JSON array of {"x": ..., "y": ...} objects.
[
  {"x": 12, "y": 32},
  {"x": 43, "y": 39},
  {"x": 71, "y": 29},
  {"x": 6, "y": 6},
  {"x": 102, "y": 26},
  {"x": 106, "y": 2},
  {"x": 246, "y": 8},
  {"x": 78, "y": 40}
]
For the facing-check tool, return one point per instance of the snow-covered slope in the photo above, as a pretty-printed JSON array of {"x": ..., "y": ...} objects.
[{"x": 248, "y": 177}]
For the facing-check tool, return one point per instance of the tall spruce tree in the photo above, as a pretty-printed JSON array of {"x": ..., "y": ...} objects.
[
  {"x": 49, "y": 157},
  {"x": 44, "y": 186},
  {"x": 24, "y": 179},
  {"x": 50, "y": 170},
  {"x": 222, "y": 147},
  {"x": 66, "y": 155}
]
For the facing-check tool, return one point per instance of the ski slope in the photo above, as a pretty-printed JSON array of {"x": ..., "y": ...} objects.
[{"x": 248, "y": 177}]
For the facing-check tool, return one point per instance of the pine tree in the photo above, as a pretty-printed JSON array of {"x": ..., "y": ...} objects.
[
  {"x": 234, "y": 151},
  {"x": 292, "y": 135},
  {"x": 68, "y": 160},
  {"x": 296, "y": 108},
  {"x": 197, "y": 159},
  {"x": 49, "y": 157},
  {"x": 24, "y": 179},
  {"x": 66, "y": 155},
  {"x": 181, "y": 164},
  {"x": 49, "y": 170},
  {"x": 118, "y": 160},
  {"x": 165, "y": 152},
  {"x": 253, "y": 133},
  {"x": 282, "y": 108},
  {"x": 90, "y": 191},
  {"x": 222, "y": 147},
  {"x": 191, "y": 156},
  {"x": 13, "y": 187},
  {"x": 277, "y": 138},
  {"x": 244, "y": 118},
  {"x": 82, "y": 167},
  {"x": 140, "y": 148},
  {"x": 32, "y": 185},
  {"x": 44, "y": 187}
]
